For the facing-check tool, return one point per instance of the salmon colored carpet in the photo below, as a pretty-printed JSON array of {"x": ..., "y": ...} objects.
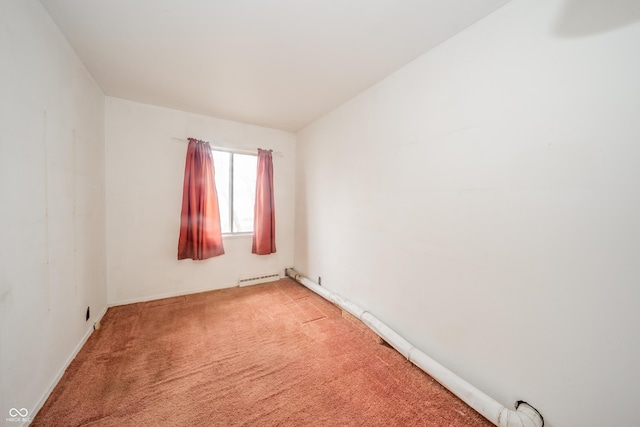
[{"x": 268, "y": 355}]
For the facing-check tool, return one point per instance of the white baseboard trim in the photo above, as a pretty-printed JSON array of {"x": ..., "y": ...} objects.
[
  {"x": 98, "y": 319},
  {"x": 172, "y": 294},
  {"x": 72, "y": 356}
]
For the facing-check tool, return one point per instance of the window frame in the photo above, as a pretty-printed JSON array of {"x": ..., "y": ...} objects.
[{"x": 232, "y": 152}]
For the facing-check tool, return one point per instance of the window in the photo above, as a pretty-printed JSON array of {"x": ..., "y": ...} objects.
[{"x": 236, "y": 185}]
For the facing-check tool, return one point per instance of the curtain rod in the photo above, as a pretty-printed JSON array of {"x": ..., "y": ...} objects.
[{"x": 232, "y": 150}]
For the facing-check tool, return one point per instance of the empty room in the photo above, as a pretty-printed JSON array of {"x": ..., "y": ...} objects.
[{"x": 320, "y": 213}]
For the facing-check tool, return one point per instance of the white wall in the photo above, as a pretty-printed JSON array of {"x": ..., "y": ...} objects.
[
  {"x": 484, "y": 201},
  {"x": 52, "y": 252},
  {"x": 145, "y": 171}
]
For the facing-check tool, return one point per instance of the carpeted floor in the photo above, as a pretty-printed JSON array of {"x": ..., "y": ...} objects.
[{"x": 267, "y": 355}]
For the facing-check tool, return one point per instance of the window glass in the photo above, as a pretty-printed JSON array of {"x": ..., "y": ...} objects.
[
  {"x": 244, "y": 192},
  {"x": 235, "y": 178}
]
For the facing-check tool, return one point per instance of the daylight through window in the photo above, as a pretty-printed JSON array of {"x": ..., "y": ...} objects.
[{"x": 235, "y": 176}]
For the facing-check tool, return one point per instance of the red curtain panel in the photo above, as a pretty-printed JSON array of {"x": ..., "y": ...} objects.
[
  {"x": 200, "y": 234},
  {"x": 264, "y": 226}
]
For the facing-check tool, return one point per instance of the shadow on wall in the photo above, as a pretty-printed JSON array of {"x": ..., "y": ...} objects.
[{"x": 580, "y": 18}]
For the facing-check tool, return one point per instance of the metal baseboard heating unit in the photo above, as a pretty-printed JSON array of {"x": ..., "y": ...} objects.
[
  {"x": 524, "y": 415},
  {"x": 257, "y": 279}
]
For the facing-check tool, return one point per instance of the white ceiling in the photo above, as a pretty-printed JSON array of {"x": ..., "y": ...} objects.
[{"x": 274, "y": 63}]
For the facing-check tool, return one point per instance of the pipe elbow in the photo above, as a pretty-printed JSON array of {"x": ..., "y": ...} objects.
[{"x": 524, "y": 415}]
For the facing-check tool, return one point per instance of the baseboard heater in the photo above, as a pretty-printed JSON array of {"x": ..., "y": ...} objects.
[
  {"x": 257, "y": 279},
  {"x": 524, "y": 415}
]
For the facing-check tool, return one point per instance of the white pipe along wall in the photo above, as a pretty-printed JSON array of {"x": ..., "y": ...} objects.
[{"x": 524, "y": 414}]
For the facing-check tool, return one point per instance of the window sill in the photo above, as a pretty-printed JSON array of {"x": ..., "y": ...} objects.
[{"x": 237, "y": 235}]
